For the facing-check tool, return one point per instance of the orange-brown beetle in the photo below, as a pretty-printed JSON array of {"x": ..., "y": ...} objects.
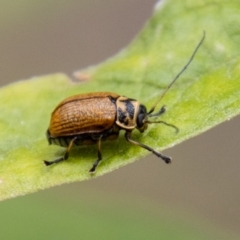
[{"x": 94, "y": 117}]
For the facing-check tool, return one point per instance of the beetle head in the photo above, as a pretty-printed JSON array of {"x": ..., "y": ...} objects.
[{"x": 143, "y": 118}]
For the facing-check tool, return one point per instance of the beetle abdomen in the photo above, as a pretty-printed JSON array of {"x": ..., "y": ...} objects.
[
  {"x": 83, "y": 139},
  {"x": 85, "y": 113}
]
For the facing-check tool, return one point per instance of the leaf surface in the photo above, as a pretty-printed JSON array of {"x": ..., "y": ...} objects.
[{"x": 205, "y": 95}]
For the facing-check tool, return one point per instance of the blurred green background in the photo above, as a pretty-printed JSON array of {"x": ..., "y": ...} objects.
[{"x": 197, "y": 197}]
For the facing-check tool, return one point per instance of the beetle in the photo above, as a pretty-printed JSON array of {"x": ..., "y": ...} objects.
[{"x": 91, "y": 118}]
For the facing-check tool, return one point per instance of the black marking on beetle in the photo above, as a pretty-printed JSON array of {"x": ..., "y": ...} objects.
[
  {"x": 113, "y": 100},
  {"x": 121, "y": 115},
  {"x": 130, "y": 109}
]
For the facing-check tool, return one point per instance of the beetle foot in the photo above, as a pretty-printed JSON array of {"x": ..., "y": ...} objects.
[
  {"x": 47, "y": 163},
  {"x": 166, "y": 159},
  {"x": 92, "y": 170}
]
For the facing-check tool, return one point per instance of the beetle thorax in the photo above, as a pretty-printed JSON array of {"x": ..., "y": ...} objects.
[{"x": 127, "y": 110}]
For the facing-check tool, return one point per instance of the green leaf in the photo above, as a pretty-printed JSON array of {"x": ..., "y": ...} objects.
[{"x": 205, "y": 95}]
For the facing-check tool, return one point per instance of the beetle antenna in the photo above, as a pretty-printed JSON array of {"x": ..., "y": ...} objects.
[
  {"x": 179, "y": 74},
  {"x": 165, "y": 123}
]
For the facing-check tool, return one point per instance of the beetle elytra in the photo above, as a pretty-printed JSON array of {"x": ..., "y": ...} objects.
[{"x": 91, "y": 118}]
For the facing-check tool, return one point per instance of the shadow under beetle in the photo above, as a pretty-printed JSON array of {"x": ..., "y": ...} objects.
[{"x": 91, "y": 118}]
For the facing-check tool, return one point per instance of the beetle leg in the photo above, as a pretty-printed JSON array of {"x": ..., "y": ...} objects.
[
  {"x": 64, "y": 157},
  {"x": 162, "y": 110},
  {"x": 158, "y": 154},
  {"x": 92, "y": 170}
]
